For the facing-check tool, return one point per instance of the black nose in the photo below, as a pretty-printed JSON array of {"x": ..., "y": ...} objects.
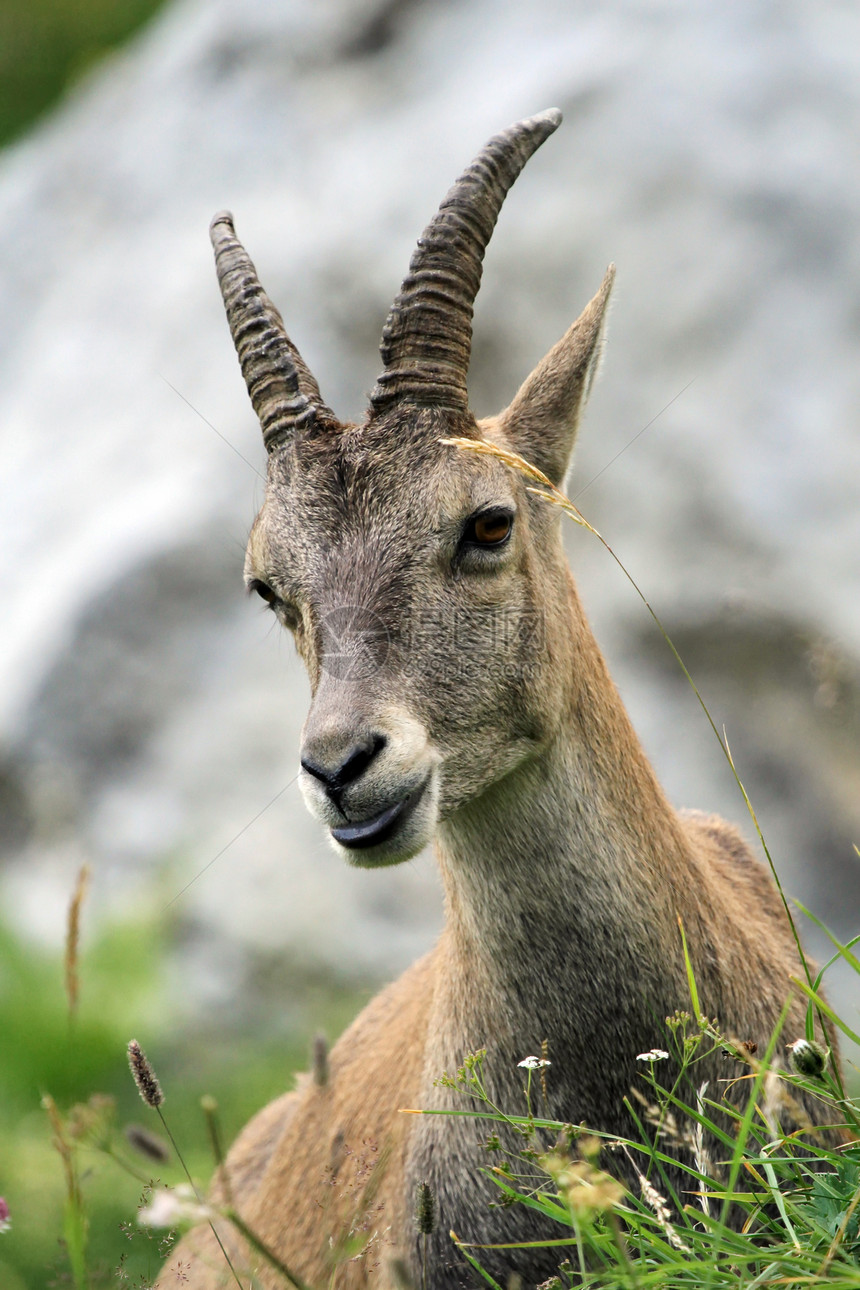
[{"x": 351, "y": 767}]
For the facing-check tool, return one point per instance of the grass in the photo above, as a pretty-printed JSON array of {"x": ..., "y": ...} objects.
[
  {"x": 67, "y": 1101},
  {"x": 623, "y": 1224},
  {"x": 705, "y": 1192}
]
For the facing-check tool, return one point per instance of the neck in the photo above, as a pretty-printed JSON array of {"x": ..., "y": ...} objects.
[
  {"x": 561, "y": 899},
  {"x": 560, "y": 926}
]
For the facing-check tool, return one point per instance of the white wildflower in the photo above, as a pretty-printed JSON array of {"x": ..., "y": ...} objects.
[
  {"x": 653, "y": 1055},
  {"x": 172, "y": 1208},
  {"x": 534, "y": 1063}
]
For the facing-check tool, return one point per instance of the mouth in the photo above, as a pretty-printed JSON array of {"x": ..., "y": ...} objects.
[{"x": 379, "y": 828}]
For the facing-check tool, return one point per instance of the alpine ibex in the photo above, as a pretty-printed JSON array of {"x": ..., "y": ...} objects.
[{"x": 459, "y": 696}]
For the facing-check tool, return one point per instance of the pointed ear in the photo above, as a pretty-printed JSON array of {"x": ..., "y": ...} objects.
[{"x": 541, "y": 422}]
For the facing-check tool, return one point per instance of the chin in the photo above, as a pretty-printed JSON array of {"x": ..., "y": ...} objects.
[{"x": 393, "y": 840}]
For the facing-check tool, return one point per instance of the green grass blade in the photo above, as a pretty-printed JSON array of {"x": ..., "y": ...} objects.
[
  {"x": 75, "y": 1235},
  {"x": 779, "y": 1200},
  {"x": 824, "y": 1007},
  {"x": 842, "y": 950},
  {"x": 855, "y": 940},
  {"x": 543, "y": 1205},
  {"x": 691, "y": 979},
  {"x": 745, "y": 1126},
  {"x": 474, "y": 1263}
]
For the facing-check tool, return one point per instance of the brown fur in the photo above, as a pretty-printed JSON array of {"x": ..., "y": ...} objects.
[{"x": 565, "y": 868}]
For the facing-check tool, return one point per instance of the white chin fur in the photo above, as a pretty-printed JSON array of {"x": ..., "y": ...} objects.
[{"x": 412, "y": 836}]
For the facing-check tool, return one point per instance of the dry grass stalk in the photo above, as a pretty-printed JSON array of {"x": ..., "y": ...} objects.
[
  {"x": 701, "y": 1157},
  {"x": 509, "y": 458},
  {"x": 544, "y": 1054},
  {"x": 659, "y": 1206},
  {"x": 60, "y": 1142},
  {"x": 73, "y": 936}
]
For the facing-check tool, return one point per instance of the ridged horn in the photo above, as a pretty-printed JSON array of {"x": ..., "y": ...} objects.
[
  {"x": 427, "y": 339},
  {"x": 285, "y": 395}
]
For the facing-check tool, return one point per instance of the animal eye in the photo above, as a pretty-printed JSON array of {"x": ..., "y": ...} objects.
[
  {"x": 262, "y": 590},
  {"x": 491, "y": 529}
]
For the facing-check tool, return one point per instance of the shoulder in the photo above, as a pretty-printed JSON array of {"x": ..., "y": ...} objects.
[
  {"x": 729, "y": 855},
  {"x": 727, "y": 838}
]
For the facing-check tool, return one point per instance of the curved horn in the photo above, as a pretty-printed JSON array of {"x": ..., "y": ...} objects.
[
  {"x": 427, "y": 339},
  {"x": 284, "y": 394}
]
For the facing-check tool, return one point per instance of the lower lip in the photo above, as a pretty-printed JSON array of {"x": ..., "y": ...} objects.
[{"x": 371, "y": 833}]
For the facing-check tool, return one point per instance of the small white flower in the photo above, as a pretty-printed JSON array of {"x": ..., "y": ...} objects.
[
  {"x": 653, "y": 1055},
  {"x": 534, "y": 1063},
  {"x": 169, "y": 1208}
]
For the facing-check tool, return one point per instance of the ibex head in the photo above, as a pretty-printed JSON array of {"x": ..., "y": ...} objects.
[{"x": 425, "y": 586}]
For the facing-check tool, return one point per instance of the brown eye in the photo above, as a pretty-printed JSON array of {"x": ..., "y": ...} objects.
[
  {"x": 262, "y": 590},
  {"x": 491, "y": 529}
]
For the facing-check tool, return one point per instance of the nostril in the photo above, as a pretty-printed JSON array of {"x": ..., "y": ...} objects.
[
  {"x": 352, "y": 767},
  {"x": 359, "y": 759},
  {"x": 318, "y": 772}
]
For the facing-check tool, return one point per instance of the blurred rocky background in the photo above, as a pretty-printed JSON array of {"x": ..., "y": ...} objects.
[{"x": 149, "y": 714}]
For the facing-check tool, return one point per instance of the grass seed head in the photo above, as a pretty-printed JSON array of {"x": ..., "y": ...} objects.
[
  {"x": 425, "y": 1209},
  {"x": 144, "y": 1076},
  {"x": 146, "y": 1143}
]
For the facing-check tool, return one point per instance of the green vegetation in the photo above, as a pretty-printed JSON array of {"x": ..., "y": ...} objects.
[
  {"x": 757, "y": 1206},
  {"x": 46, "y": 45},
  {"x": 67, "y": 1098}
]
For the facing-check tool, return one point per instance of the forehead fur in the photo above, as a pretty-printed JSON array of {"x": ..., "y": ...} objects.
[{"x": 329, "y": 485}]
